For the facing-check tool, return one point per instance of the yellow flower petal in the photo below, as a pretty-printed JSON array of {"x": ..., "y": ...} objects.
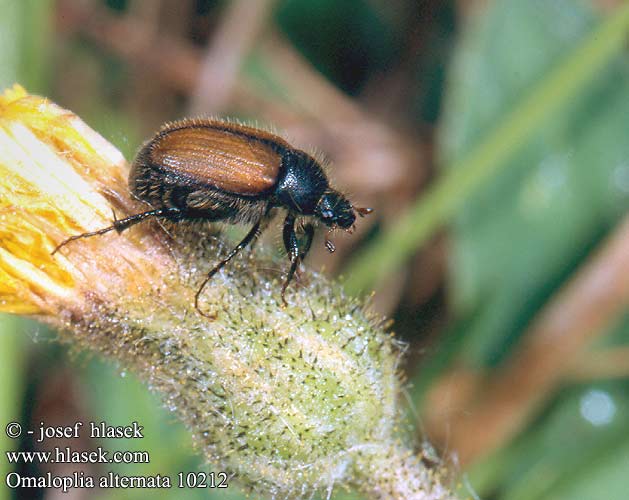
[{"x": 57, "y": 178}]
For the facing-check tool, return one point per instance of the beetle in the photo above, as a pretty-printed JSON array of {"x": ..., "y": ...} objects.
[{"x": 214, "y": 170}]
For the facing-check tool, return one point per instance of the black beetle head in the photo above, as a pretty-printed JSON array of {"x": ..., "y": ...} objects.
[{"x": 335, "y": 210}]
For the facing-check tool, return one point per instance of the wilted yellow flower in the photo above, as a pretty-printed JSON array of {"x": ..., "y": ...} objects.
[
  {"x": 290, "y": 400},
  {"x": 58, "y": 178}
]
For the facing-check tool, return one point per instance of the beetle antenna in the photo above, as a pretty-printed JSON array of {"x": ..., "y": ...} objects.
[{"x": 362, "y": 211}]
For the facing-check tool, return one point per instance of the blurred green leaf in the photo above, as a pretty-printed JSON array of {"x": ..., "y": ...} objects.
[
  {"x": 527, "y": 221},
  {"x": 606, "y": 478},
  {"x": 23, "y": 35},
  {"x": 9, "y": 41},
  {"x": 523, "y": 232},
  {"x": 11, "y": 386},
  {"x": 35, "y": 63},
  {"x": 25, "y": 56},
  {"x": 11, "y": 378},
  {"x": 494, "y": 113},
  {"x": 579, "y": 437}
]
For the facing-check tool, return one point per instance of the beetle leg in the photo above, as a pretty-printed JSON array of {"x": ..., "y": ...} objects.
[
  {"x": 120, "y": 225},
  {"x": 292, "y": 248},
  {"x": 245, "y": 241},
  {"x": 291, "y": 244},
  {"x": 309, "y": 233},
  {"x": 264, "y": 224}
]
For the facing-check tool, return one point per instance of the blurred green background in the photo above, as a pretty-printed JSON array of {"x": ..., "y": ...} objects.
[{"x": 491, "y": 137}]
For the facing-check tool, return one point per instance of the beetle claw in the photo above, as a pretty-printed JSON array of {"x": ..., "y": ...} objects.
[{"x": 328, "y": 244}]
